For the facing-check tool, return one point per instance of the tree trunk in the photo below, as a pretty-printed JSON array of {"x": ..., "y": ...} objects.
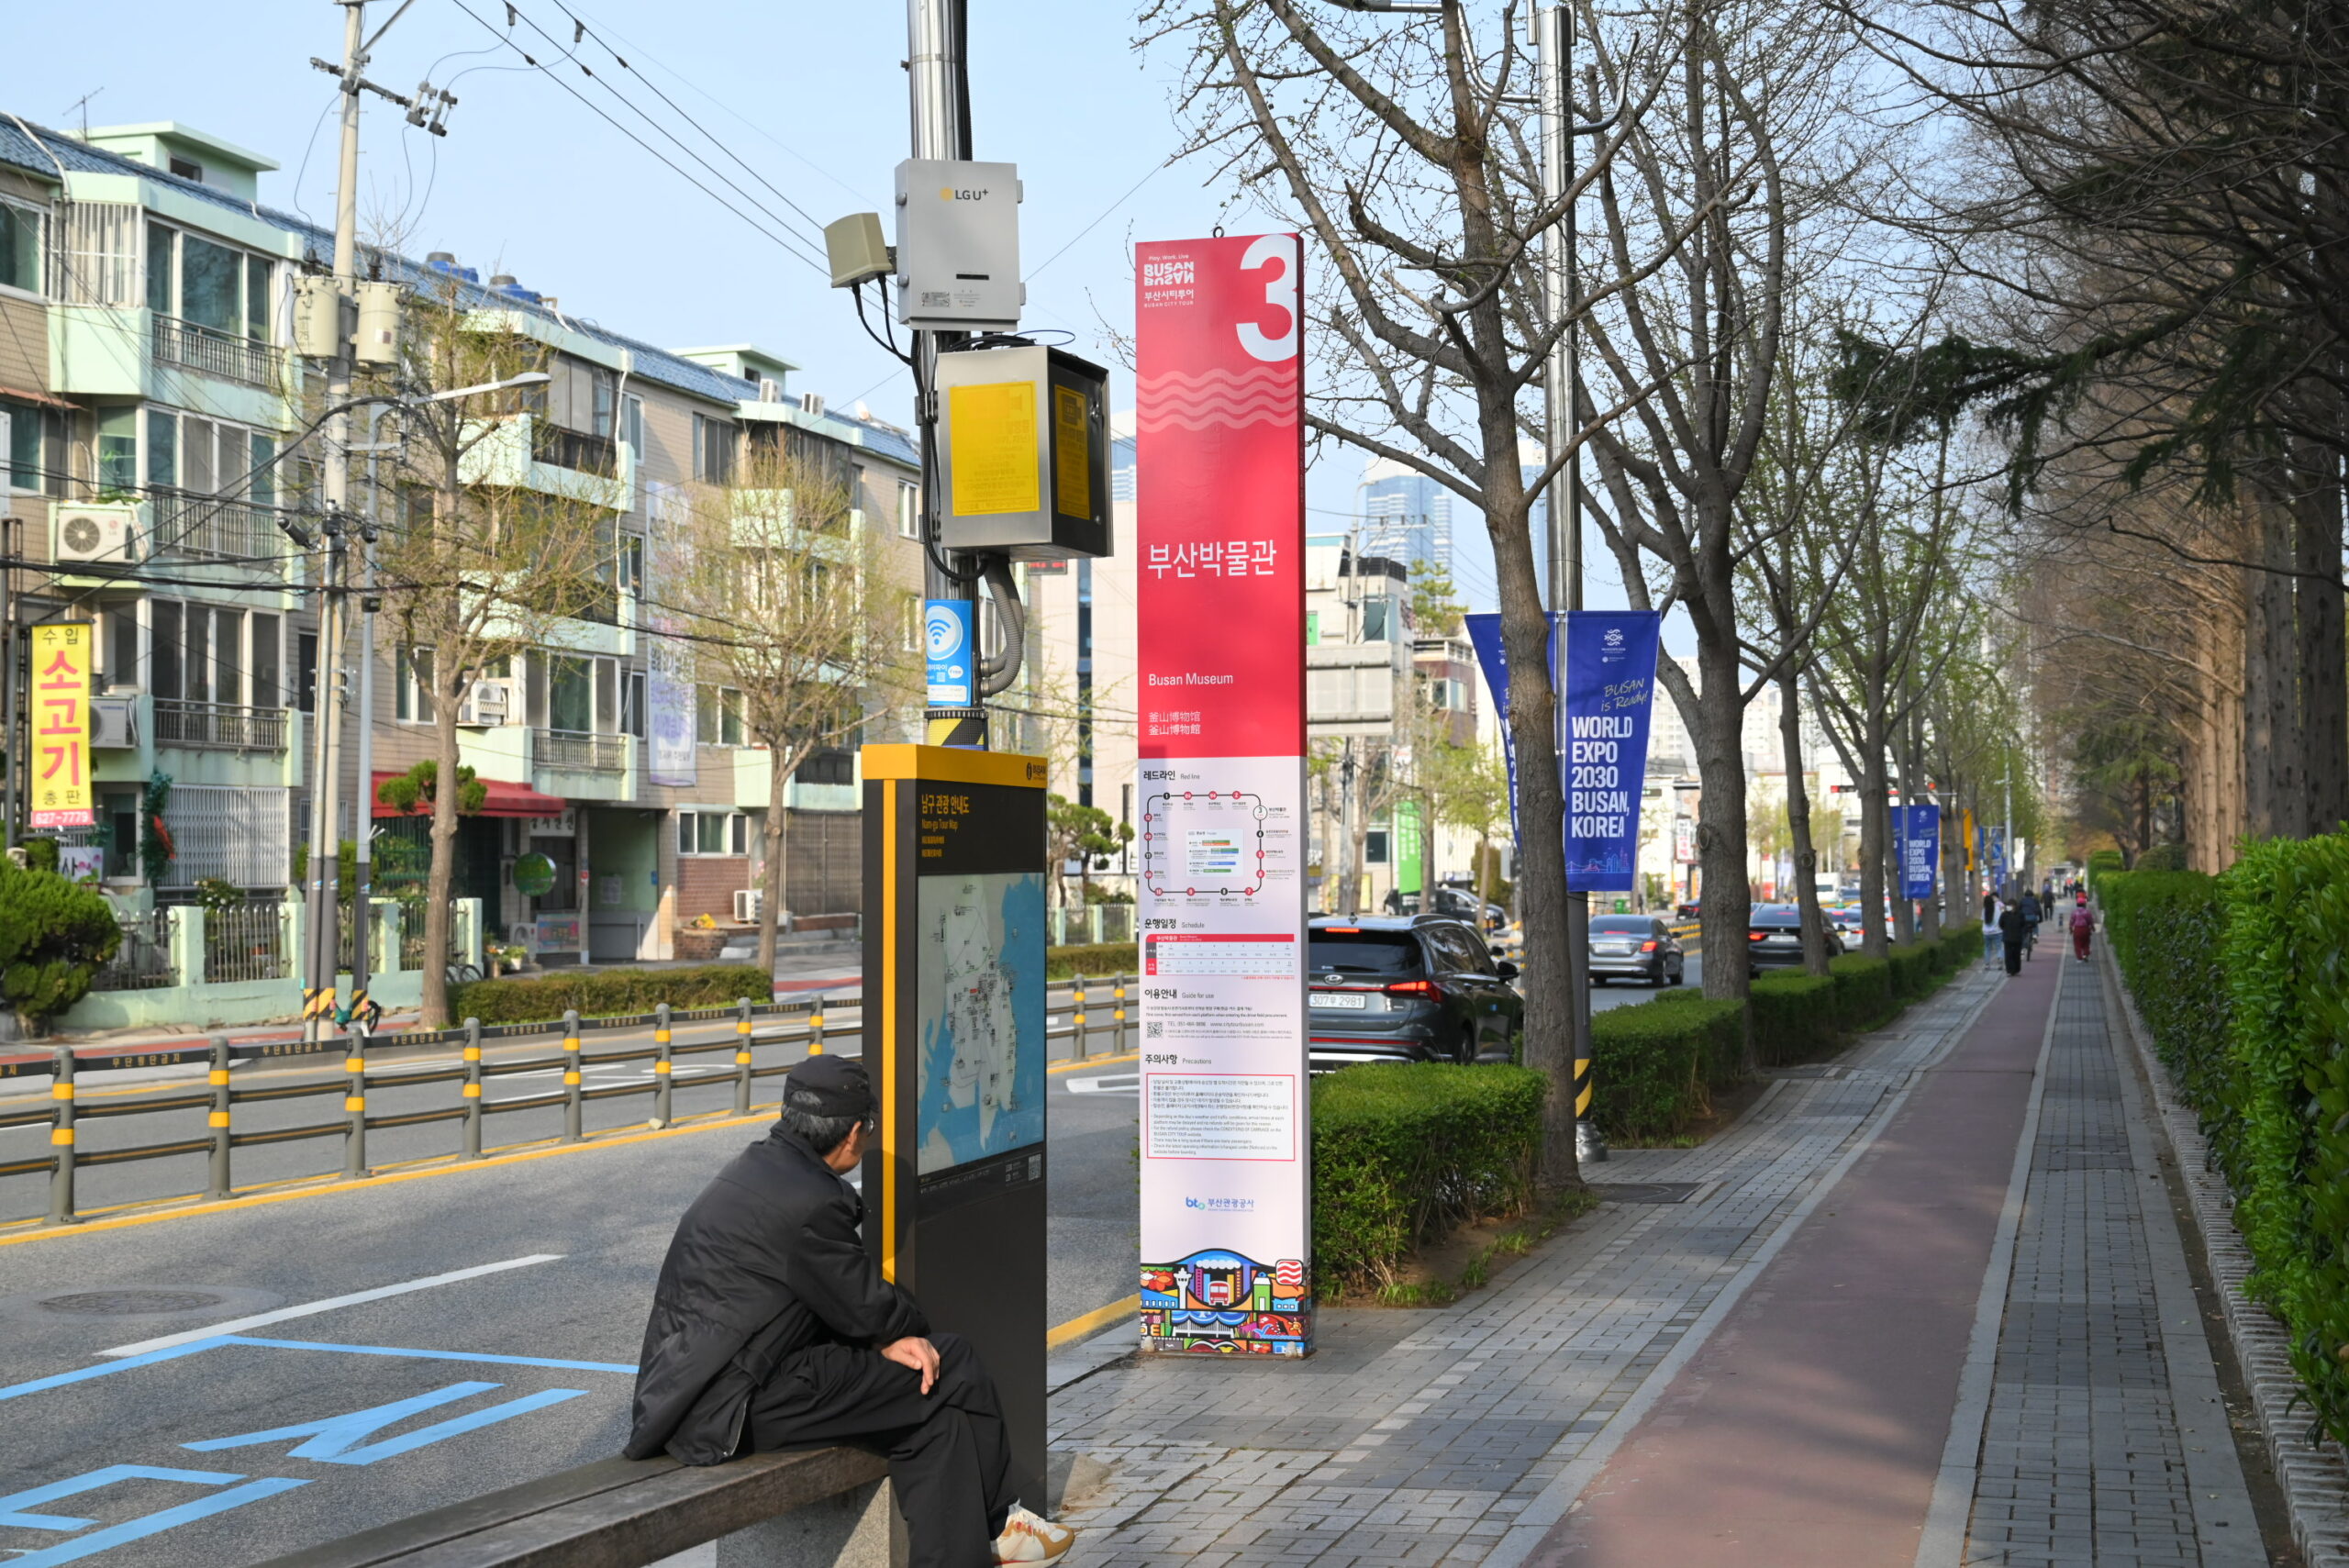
[
  {"x": 2270, "y": 697},
  {"x": 1728, "y": 904},
  {"x": 441, "y": 880},
  {"x": 1874, "y": 832},
  {"x": 771, "y": 881},
  {"x": 1814, "y": 924}
]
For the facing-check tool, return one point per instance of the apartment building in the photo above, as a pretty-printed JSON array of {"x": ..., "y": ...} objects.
[{"x": 153, "y": 411}]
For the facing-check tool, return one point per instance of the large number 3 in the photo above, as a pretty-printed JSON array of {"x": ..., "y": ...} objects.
[{"x": 1280, "y": 293}]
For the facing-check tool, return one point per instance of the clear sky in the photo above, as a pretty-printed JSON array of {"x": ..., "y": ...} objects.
[{"x": 811, "y": 99}]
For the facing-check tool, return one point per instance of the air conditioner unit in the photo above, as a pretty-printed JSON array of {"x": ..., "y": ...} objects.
[
  {"x": 811, "y": 403},
  {"x": 113, "y": 721},
  {"x": 770, "y": 390},
  {"x": 747, "y": 901},
  {"x": 96, "y": 533},
  {"x": 486, "y": 705}
]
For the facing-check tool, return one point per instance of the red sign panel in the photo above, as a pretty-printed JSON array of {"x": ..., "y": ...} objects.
[{"x": 1220, "y": 600}]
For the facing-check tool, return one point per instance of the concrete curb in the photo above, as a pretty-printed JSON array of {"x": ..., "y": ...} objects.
[{"x": 2314, "y": 1476}]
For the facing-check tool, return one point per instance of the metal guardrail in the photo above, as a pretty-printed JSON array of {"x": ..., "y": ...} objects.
[{"x": 219, "y": 1100}]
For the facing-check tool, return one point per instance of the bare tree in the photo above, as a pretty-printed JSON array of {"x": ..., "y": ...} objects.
[
  {"x": 785, "y": 599},
  {"x": 1396, "y": 145},
  {"x": 477, "y": 566}
]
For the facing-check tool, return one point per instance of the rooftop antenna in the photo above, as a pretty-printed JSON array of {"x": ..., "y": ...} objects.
[{"x": 83, "y": 103}]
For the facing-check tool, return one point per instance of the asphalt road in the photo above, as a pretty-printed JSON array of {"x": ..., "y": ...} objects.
[
  {"x": 311, "y": 1426},
  {"x": 1623, "y": 993}
]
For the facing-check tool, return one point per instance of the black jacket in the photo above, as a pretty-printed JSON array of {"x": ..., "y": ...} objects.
[
  {"x": 767, "y": 1262},
  {"x": 2013, "y": 926},
  {"x": 2029, "y": 908}
]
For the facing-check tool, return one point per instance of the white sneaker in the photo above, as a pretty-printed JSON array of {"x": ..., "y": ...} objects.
[{"x": 1030, "y": 1538}]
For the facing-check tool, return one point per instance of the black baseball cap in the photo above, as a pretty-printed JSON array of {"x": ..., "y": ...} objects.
[{"x": 828, "y": 1086}]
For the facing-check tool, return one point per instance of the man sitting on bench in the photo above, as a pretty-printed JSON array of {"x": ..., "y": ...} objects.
[{"x": 772, "y": 1327}]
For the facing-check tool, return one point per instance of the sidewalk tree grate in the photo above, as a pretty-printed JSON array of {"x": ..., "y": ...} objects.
[{"x": 1646, "y": 1192}]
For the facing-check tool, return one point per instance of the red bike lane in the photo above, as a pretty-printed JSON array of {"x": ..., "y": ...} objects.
[{"x": 1810, "y": 1428}]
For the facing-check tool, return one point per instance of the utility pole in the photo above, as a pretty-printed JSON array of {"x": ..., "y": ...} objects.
[
  {"x": 322, "y": 948},
  {"x": 937, "y": 82},
  {"x": 1562, "y": 416}
]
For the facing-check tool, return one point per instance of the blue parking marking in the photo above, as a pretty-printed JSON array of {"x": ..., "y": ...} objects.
[
  {"x": 107, "y": 1540},
  {"x": 103, "y": 1368},
  {"x": 625, "y": 1368},
  {"x": 333, "y": 1439}
]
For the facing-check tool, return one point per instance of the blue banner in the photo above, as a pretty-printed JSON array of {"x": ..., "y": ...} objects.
[
  {"x": 1492, "y": 657},
  {"x": 1920, "y": 849},
  {"x": 949, "y": 637},
  {"x": 1609, "y": 684},
  {"x": 1997, "y": 862}
]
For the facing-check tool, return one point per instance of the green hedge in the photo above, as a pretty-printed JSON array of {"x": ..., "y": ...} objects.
[
  {"x": 54, "y": 936},
  {"x": 1863, "y": 990},
  {"x": 1091, "y": 959},
  {"x": 1404, "y": 1152},
  {"x": 1657, "y": 1063},
  {"x": 595, "y": 993},
  {"x": 1794, "y": 1017},
  {"x": 2243, "y": 982}
]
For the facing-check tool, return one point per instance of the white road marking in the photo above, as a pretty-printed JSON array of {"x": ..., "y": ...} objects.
[
  {"x": 239, "y": 1324},
  {"x": 1106, "y": 1084}
]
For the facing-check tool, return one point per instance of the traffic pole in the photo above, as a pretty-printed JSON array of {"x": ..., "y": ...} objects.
[{"x": 217, "y": 1186}]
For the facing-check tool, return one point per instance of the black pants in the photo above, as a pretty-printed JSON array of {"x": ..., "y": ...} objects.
[
  {"x": 2014, "y": 955},
  {"x": 949, "y": 1458}
]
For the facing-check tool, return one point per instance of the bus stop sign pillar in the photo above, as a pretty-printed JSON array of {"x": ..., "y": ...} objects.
[{"x": 954, "y": 1008}]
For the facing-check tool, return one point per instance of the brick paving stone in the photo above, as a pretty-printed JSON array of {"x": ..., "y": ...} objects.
[
  {"x": 2080, "y": 1456},
  {"x": 1419, "y": 1438}
]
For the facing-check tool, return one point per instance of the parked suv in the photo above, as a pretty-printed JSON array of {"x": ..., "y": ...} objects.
[{"x": 1408, "y": 988}]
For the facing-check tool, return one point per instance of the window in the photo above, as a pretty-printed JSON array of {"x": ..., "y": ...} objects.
[
  {"x": 632, "y": 705},
  {"x": 32, "y": 443},
  {"x": 713, "y": 450},
  {"x": 1378, "y": 619},
  {"x": 265, "y": 673},
  {"x": 205, "y": 457},
  {"x": 909, "y": 511},
  {"x": 122, "y": 645},
  {"x": 306, "y": 673},
  {"x": 412, "y": 686},
  {"x": 717, "y": 717},
  {"x": 164, "y": 671},
  {"x": 713, "y": 833},
  {"x": 201, "y": 653},
  {"x": 579, "y": 396},
  {"x": 834, "y": 766},
  {"x": 21, "y": 231},
  {"x": 573, "y": 691},
  {"x": 186, "y": 168},
  {"x": 632, "y": 425},
  {"x": 117, "y": 450},
  {"x": 1374, "y": 846},
  {"x": 209, "y": 283}
]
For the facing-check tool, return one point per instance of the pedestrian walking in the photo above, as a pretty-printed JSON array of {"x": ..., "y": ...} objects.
[
  {"x": 2013, "y": 930},
  {"x": 1991, "y": 940},
  {"x": 1989, "y": 909},
  {"x": 773, "y": 1328},
  {"x": 2083, "y": 922}
]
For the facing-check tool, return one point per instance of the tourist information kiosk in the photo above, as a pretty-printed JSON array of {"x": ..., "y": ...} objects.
[{"x": 955, "y": 1040}]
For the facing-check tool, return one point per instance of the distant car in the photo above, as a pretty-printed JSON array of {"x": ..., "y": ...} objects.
[
  {"x": 1406, "y": 988},
  {"x": 1458, "y": 902},
  {"x": 1773, "y": 938},
  {"x": 1692, "y": 910},
  {"x": 1635, "y": 947}
]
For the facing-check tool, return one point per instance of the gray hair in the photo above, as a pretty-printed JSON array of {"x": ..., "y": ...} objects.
[{"x": 822, "y": 1133}]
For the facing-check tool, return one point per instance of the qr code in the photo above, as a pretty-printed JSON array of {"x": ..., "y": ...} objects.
[{"x": 1152, "y": 1031}]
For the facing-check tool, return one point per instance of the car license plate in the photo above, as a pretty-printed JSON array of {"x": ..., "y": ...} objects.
[
  {"x": 1610, "y": 947},
  {"x": 1782, "y": 942},
  {"x": 1353, "y": 999}
]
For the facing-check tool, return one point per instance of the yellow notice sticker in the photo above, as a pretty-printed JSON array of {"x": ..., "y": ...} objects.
[
  {"x": 1072, "y": 464},
  {"x": 991, "y": 443}
]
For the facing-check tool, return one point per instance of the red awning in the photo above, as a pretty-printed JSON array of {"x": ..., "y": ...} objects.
[{"x": 505, "y": 800}]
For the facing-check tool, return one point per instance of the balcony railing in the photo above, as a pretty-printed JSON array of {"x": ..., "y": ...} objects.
[
  {"x": 209, "y": 528},
  {"x": 580, "y": 751},
  {"x": 552, "y": 444},
  {"x": 224, "y": 354},
  {"x": 219, "y": 726}
]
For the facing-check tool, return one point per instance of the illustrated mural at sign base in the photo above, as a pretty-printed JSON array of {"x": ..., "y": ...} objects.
[{"x": 1222, "y": 1304}]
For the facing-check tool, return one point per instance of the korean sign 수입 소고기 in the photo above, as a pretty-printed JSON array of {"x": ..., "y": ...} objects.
[
  {"x": 1221, "y": 633},
  {"x": 61, "y": 726}
]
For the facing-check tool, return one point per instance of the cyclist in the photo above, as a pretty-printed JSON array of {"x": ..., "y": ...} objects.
[{"x": 2032, "y": 913}]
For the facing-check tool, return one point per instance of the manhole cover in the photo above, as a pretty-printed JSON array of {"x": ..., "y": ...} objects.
[
  {"x": 128, "y": 1303},
  {"x": 1645, "y": 1192}
]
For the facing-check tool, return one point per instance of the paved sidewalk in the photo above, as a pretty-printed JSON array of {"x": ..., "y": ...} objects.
[{"x": 1871, "y": 1327}]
